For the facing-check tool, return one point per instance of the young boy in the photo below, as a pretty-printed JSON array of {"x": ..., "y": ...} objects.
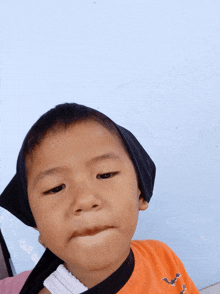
[{"x": 81, "y": 180}]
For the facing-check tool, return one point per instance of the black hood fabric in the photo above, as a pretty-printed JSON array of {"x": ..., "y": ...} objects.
[{"x": 14, "y": 198}]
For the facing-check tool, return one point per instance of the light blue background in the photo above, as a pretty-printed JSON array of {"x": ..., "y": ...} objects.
[{"x": 153, "y": 67}]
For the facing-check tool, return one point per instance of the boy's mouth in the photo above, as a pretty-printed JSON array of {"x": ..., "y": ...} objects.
[{"x": 90, "y": 231}]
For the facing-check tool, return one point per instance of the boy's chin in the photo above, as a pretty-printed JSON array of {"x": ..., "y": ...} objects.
[
  {"x": 97, "y": 260},
  {"x": 106, "y": 255},
  {"x": 92, "y": 265},
  {"x": 97, "y": 268}
]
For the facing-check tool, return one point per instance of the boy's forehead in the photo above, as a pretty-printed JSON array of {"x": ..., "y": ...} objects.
[
  {"x": 88, "y": 135},
  {"x": 86, "y": 129}
]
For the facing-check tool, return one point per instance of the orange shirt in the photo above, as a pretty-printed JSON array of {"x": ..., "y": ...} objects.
[{"x": 157, "y": 270}]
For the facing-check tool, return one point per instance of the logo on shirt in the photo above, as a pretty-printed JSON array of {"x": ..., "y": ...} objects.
[
  {"x": 184, "y": 290},
  {"x": 172, "y": 282}
]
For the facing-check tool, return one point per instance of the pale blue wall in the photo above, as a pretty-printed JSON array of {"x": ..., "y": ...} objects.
[{"x": 153, "y": 67}]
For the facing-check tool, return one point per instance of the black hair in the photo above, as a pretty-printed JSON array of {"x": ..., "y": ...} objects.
[{"x": 63, "y": 115}]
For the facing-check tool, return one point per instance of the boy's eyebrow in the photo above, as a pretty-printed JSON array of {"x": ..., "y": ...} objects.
[
  {"x": 110, "y": 155},
  {"x": 55, "y": 170},
  {"x": 47, "y": 172}
]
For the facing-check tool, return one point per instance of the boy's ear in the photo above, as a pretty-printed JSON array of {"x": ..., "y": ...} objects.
[
  {"x": 41, "y": 241},
  {"x": 143, "y": 205}
]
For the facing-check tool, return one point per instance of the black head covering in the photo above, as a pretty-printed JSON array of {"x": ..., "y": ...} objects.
[{"x": 15, "y": 199}]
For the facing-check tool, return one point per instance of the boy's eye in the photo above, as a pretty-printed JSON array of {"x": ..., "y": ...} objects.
[
  {"x": 55, "y": 190},
  {"x": 107, "y": 175}
]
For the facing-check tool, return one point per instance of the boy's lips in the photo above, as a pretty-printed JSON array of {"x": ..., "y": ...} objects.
[{"x": 90, "y": 231}]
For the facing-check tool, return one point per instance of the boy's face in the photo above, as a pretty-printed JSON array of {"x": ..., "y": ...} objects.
[{"x": 84, "y": 196}]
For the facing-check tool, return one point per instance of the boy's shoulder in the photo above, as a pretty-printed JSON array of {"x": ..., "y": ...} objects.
[
  {"x": 150, "y": 246},
  {"x": 14, "y": 284},
  {"x": 157, "y": 270},
  {"x": 156, "y": 254}
]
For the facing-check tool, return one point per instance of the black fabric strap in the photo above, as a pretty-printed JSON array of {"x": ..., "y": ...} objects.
[
  {"x": 46, "y": 266},
  {"x": 49, "y": 263}
]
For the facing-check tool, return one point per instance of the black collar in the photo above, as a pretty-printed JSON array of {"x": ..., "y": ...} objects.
[{"x": 49, "y": 263}]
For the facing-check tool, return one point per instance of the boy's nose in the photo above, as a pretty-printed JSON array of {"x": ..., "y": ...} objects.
[
  {"x": 84, "y": 197},
  {"x": 86, "y": 203}
]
